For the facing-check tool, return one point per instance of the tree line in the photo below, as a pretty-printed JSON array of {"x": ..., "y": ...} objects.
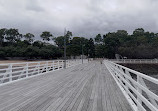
[
  {"x": 15, "y": 44},
  {"x": 140, "y": 44}
]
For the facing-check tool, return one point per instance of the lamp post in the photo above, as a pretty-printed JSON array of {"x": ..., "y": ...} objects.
[
  {"x": 82, "y": 54},
  {"x": 65, "y": 49}
]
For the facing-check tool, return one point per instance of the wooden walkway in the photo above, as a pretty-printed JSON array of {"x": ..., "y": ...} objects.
[{"x": 87, "y": 87}]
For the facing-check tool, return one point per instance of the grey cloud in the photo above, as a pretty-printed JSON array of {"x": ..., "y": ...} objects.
[
  {"x": 82, "y": 17},
  {"x": 34, "y": 6}
]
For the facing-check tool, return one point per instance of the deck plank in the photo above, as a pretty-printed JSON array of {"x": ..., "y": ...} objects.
[{"x": 86, "y": 87}]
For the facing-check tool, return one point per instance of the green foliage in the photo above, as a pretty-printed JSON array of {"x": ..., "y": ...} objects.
[
  {"x": 91, "y": 48},
  {"x": 46, "y": 36},
  {"x": 11, "y": 45},
  {"x": 140, "y": 44},
  {"x": 29, "y": 37},
  {"x": 2, "y": 35},
  {"x": 98, "y": 39},
  {"x": 12, "y": 35},
  {"x": 60, "y": 40},
  {"x": 77, "y": 46}
]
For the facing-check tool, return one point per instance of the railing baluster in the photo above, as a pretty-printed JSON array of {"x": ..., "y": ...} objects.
[
  {"x": 46, "y": 66},
  {"x": 134, "y": 87},
  {"x": 10, "y": 72},
  {"x": 62, "y": 64},
  {"x": 53, "y": 66},
  {"x": 150, "y": 98},
  {"x": 139, "y": 90},
  {"x": 58, "y": 65},
  {"x": 27, "y": 67},
  {"x": 38, "y": 65}
]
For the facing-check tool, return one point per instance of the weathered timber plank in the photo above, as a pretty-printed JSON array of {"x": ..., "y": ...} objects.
[{"x": 86, "y": 87}]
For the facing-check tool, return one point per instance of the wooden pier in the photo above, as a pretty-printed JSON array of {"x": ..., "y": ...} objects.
[{"x": 85, "y": 87}]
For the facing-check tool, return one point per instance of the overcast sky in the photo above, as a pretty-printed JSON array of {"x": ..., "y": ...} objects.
[{"x": 83, "y": 17}]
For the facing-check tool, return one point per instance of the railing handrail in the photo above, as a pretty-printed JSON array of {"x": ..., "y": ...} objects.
[
  {"x": 151, "y": 79},
  {"x": 134, "y": 60},
  {"x": 4, "y": 64},
  {"x": 10, "y": 72},
  {"x": 123, "y": 78}
]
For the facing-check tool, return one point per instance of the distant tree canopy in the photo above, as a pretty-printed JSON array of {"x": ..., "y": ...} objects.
[
  {"x": 140, "y": 44},
  {"x": 46, "y": 36},
  {"x": 14, "y": 44},
  {"x": 29, "y": 37}
]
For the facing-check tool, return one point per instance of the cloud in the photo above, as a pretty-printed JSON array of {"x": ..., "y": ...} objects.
[
  {"x": 82, "y": 17},
  {"x": 34, "y": 5}
]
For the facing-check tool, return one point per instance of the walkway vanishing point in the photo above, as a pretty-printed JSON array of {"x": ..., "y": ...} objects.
[{"x": 85, "y": 87}]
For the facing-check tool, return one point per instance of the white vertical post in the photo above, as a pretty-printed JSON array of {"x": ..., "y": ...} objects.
[
  {"x": 46, "y": 66},
  {"x": 62, "y": 64},
  {"x": 53, "y": 66},
  {"x": 58, "y": 65},
  {"x": 69, "y": 63},
  {"x": 10, "y": 72},
  {"x": 38, "y": 65},
  {"x": 139, "y": 90},
  {"x": 27, "y": 67}
]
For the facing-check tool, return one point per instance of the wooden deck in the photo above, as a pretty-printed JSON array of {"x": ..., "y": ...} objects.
[{"x": 87, "y": 87}]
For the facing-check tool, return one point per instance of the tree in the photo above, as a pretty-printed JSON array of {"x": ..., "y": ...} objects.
[
  {"x": 32, "y": 52},
  {"x": 77, "y": 44},
  {"x": 91, "y": 48},
  {"x": 29, "y": 37},
  {"x": 46, "y": 36},
  {"x": 12, "y": 35},
  {"x": 73, "y": 50},
  {"x": 60, "y": 40},
  {"x": 138, "y": 32},
  {"x": 2, "y": 35},
  {"x": 101, "y": 51},
  {"x": 38, "y": 44},
  {"x": 98, "y": 39},
  {"x": 111, "y": 43},
  {"x": 2, "y": 52},
  {"x": 68, "y": 34}
]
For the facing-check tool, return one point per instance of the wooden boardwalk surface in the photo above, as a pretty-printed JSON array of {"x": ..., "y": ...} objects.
[{"x": 87, "y": 87}]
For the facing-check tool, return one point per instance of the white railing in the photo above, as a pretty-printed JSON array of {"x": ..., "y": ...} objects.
[
  {"x": 15, "y": 71},
  {"x": 132, "y": 84},
  {"x": 134, "y": 60}
]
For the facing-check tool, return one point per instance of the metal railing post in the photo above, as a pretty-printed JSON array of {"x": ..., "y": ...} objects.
[
  {"x": 139, "y": 90},
  {"x": 10, "y": 72},
  {"x": 27, "y": 67},
  {"x": 62, "y": 64},
  {"x": 58, "y": 65},
  {"x": 69, "y": 63},
  {"x": 47, "y": 66},
  {"x": 38, "y": 65},
  {"x": 53, "y": 66}
]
